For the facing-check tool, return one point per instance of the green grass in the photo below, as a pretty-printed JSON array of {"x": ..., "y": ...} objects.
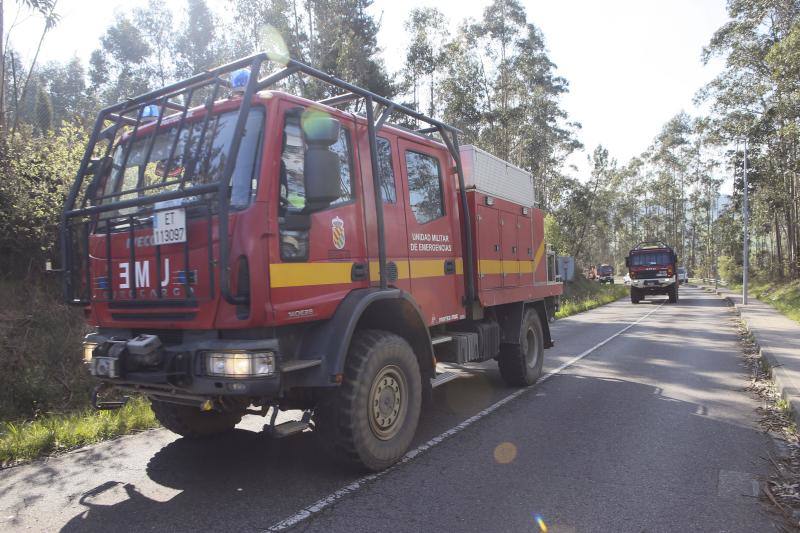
[
  {"x": 55, "y": 433},
  {"x": 583, "y": 295},
  {"x": 785, "y": 297}
]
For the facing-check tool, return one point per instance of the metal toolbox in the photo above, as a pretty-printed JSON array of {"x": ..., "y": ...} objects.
[{"x": 493, "y": 176}]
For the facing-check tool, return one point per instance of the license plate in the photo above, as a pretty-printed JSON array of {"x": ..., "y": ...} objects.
[
  {"x": 169, "y": 226},
  {"x": 651, "y": 283}
]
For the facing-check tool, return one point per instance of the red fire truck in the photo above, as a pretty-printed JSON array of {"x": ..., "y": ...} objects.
[
  {"x": 652, "y": 269},
  {"x": 242, "y": 250}
]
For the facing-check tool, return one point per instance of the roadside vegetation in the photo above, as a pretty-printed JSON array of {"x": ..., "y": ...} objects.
[
  {"x": 781, "y": 491},
  {"x": 582, "y": 295},
  {"x": 53, "y": 433},
  {"x": 44, "y": 388},
  {"x": 783, "y": 296}
]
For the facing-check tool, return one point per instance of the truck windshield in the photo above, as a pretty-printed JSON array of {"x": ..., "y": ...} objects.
[
  {"x": 651, "y": 258},
  {"x": 190, "y": 162}
]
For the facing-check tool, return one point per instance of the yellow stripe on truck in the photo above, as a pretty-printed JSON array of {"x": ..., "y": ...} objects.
[
  {"x": 497, "y": 266},
  {"x": 490, "y": 266},
  {"x": 338, "y": 272},
  {"x": 304, "y": 274},
  {"x": 538, "y": 257}
]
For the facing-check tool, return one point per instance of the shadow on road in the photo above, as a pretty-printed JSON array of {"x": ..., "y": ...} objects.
[{"x": 246, "y": 481}]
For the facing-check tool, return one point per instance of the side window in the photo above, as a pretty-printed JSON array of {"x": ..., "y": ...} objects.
[
  {"x": 424, "y": 187},
  {"x": 344, "y": 151},
  {"x": 292, "y": 188},
  {"x": 388, "y": 190}
]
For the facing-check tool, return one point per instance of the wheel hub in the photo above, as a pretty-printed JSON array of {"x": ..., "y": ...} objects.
[{"x": 387, "y": 405}]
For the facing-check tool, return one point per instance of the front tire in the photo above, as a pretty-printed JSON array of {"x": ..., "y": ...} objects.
[
  {"x": 673, "y": 294},
  {"x": 370, "y": 420},
  {"x": 636, "y": 297},
  {"x": 521, "y": 364},
  {"x": 191, "y": 422}
]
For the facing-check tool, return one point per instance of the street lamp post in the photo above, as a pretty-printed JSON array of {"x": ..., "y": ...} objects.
[{"x": 746, "y": 245}]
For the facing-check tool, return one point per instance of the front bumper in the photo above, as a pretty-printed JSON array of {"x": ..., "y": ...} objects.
[
  {"x": 653, "y": 284},
  {"x": 180, "y": 371}
]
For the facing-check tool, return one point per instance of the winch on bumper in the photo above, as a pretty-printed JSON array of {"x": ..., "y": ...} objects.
[{"x": 192, "y": 369}]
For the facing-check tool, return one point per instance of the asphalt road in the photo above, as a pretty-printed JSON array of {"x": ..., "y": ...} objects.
[{"x": 650, "y": 431}]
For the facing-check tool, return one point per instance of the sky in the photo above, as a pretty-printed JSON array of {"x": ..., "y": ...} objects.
[{"x": 631, "y": 64}]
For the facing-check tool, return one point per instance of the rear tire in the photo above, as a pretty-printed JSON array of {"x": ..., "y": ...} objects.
[
  {"x": 521, "y": 364},
  {"x": 369, "y": 421},
  {"x": 191, "y": 422}
]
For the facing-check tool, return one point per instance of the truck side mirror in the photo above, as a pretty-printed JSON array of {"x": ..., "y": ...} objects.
[
  {"x": 322, "y": 173},
  {"x": 627, "y": 262}
]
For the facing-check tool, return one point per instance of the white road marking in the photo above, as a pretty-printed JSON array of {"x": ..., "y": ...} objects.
[{"x": 321, "y": 504}]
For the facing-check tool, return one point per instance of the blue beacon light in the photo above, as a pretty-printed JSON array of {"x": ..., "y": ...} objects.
[
  {"x": 150, "y": 112},
  {"x": 239, "y": 79}
]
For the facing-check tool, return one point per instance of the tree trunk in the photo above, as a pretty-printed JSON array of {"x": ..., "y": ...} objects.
[
  {"x": 778, "y": 250},
  {"x": 47, "y": 27},
  {"x": 2, "y": 80}
]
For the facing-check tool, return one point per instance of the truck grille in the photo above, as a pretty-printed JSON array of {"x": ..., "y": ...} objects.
[{"x": 650, "y": 273}]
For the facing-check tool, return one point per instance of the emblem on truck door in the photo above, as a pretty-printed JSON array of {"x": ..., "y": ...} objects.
[{"x": 337, "y": 232}]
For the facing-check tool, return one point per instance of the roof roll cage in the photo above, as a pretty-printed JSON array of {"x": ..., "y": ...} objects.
[
  {"x": 644, "y": 245},
  {"x": 178, "y": 97}
]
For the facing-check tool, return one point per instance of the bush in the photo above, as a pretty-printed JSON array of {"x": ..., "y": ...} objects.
[
  {"x": 40, "y": 351},
  {"x": 35, "y": 175},
  {"x": 729, "y": 269}
]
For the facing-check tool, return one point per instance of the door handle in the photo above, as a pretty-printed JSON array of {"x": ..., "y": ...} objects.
[
  {"x": 449, "y": 266},
  {"x": 359, "y": 272}
]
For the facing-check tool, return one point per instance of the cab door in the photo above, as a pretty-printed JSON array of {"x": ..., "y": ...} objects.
[
  {"x": 320, "y": 257},
  {"x": 394, "y": 212},
  {"x": 434, "y": 240}
]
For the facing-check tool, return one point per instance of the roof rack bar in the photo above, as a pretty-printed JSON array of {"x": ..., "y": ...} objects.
[
  {"x": 122, "y": 118},
  {"x": 384, "y": 115},
  {"x": 196, "y": 190},
  {"x": 190, "y": 165},
  {"x": 275, "y": 77},
  {"x": 332, "y": 80},
  {"x": 181, "y": 122},
  {"x": 150, "y": 145},
  {"x": 202, "y": 78},
  {"x": 339, "y": 99},
  {"x": 451, "y": 141},
  {"x": 376, "y": 181},
  {"x": 424, "y": 131},
  {"x": 173, "y": 105}
]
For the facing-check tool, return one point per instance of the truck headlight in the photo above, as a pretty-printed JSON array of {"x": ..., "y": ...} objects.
[
  {"x": 88, "y": 350},
  {"x": 239, "y": 364}
]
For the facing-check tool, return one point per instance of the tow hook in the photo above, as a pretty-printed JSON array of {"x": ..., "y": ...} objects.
[{"x": 106, "y": 405}]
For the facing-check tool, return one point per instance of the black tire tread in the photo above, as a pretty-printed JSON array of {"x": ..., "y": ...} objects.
[
  {"x": 511, "y": 362},
  {"x": 335, "y": 418}
]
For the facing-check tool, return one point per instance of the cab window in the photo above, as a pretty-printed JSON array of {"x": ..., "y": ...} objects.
[
  {"x": 292, "y": 188},
  {"x": 424, "y": 187},
  {"x": 388, "y": 191}
]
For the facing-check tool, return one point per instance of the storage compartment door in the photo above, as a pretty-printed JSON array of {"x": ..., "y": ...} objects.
[
  {"x": 509, "y": 249},
  {"x": 526, "y": 250},
  {"x": 490, "y": 268}
]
